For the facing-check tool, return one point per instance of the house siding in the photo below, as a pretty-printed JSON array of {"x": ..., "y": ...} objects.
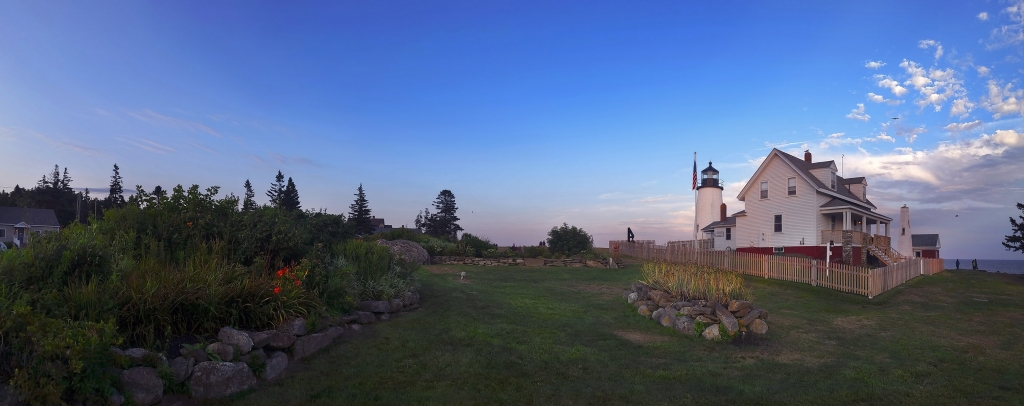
[{"x": 798, "y": 212}]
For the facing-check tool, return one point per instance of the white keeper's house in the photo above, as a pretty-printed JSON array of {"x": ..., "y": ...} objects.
[{"x": 794, "y": 205}]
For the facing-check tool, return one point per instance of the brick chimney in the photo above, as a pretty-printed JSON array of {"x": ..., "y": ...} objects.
[
  {"x": 807, "y": 156},
  {"x": 723, "y": 212}
]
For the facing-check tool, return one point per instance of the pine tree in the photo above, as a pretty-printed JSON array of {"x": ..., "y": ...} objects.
[
  {"x": 116, "y": 198},
  {"x": 444, "y": 223},
  {"x": 65, "y": 181},
  {"x": 359, "y": 213},
  {"x": 289, "y": 198},
  {"x": 249, "y": 204},
  {"x": 1015, "y": 241},
  {"x": 276, "y": 190}
]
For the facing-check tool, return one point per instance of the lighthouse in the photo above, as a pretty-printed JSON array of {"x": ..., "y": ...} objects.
[
  {"x": 709, "y": 198},
  {"x": 904, "y": 245}
]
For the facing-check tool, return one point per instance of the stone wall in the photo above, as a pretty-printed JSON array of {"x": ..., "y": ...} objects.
[
  {"x": 239, "y": 360},
  {"x": 567, "y": 262},
  {"x": 719, "y": 321}
]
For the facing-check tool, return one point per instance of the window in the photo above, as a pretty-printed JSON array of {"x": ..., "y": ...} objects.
[
  {"x": 764, "y": 189},
  {"x": 833, "y": 181},
  {"x": 728, "y": 234},
  {"x": 3, "y": 233},
  {"x": 778, "y": 223},
  {"x": 792, "y": 187},
  {"x": 903, "y": 231},
  {"x": 917, "y": 254},
  {"x": 778, "y": 250},
  {"x": 833, "y": 222}
]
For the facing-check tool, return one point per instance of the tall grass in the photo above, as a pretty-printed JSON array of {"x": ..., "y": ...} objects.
[{"x": 692, "y": 281}]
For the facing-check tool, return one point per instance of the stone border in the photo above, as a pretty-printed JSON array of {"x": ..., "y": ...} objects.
[
  {"x": 721, "y": 322},
  {"x": 224, "y": 367},
  {"x": 568, "y": 262}
]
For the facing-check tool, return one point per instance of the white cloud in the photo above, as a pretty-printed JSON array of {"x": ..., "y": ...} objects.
[
  {"x": 892, "y": 85},
  {"x": 155, "y": 118},
  {"x": 961, "y": 107},
  {"x": 1009, "y": 34},
  {"x": 881, "y": 137},
  {"x": 918, "y": 76},
  {"x": 960, "y": 127},
  {"x": 928, "y": 43},
  {"x": 911, "y": 133},
  {"x": 874, "y": 64},
  {"x": 1010, "y": 138},
  {"x": 1002, "y": 100},
  {"x": 983, "y": 16},
  {"x": 858, "y": 113},
  {"x": 983, "y": 71},
  {"x": 877, "y": 98},
  {"x": 836, "y": 135}
]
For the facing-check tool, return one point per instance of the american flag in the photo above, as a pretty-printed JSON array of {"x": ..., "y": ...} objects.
[{"x": 694, "y": 172}]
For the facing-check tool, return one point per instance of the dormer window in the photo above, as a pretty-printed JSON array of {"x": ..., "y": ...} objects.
[{"x": 833, "y": 181}]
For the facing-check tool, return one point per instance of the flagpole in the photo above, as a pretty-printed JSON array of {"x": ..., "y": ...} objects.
[{"x": 695, "y": 225}]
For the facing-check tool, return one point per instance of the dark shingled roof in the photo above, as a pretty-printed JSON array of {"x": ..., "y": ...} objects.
[
  {"x": 924, "y": 240},
  {"x": 806, "y": 168},
  {"x": 729, "y": 221},
  {"x": 849, "y": 181},
  {"x": 32, "y": 217}
]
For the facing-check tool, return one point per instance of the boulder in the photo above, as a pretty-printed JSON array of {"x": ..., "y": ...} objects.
[
  {"x": 141, "y": 356},
  {"x": 356, "y": 328},
  {"x": 225, "y": 352},
  {"x": 305, "y": 346},
  {"x": 366, "y": 317},
  {"x": 254, "y": 357},
  {"x": 349, "y": 319},
  {"x": 706, "y": 319},
  {"x": 594, "y": 264},
  {"x": 727, "y": 319},
  {"x": 759, "y": 327},
  {"x": 632, "y": 297},
  {"x": 235, "y": 338},
  {"x": 182, "y": 368},
  {"x": 750, "y": 317},
  {"x": 763, "y": 315},
  {"x": 641, "y": 289},
  {"x": 644, "y": 311},
  {"x": 115, "y": 399},
  {"x": 198, "y": 354},
  {"x": 384, "y": 316},
  {"x": 742, "y": 312},
  {"x": 143, "y": 385},
  {"x": 658, "y": 296},
  {"x": 396, "y": 305},
  {"x": 375, "y": 306},
  {"x": 667, "y": 316},
  {"x": 279, "y": 340},
  {"x": 737, "y": 305},
  {"x": 681, "y": 304},
  {"x": 295, "y": 327},
  {"x": 259, "y": 339},
  {"x": 219, "y": 379},
  {"x": 711, "y": 333},
  {"x": 695, "y": 311},
  {"x": 408, "y": 251},
  {"x": 684, "y": 325},
  {"x": 276, "y": 363}
]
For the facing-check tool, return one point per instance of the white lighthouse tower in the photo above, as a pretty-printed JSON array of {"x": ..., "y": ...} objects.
[
  {"x": 709, "y": 198},
  {"x": 904, "y": 245}
]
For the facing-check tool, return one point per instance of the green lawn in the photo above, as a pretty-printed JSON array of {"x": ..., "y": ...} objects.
[{"x": 566, "y": 336}]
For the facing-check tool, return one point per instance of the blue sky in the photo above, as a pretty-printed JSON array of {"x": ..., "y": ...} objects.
[{"x": 532, "y": 113}]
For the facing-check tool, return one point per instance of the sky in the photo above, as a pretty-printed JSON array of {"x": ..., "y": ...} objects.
[{"x": 531, "y": 113}]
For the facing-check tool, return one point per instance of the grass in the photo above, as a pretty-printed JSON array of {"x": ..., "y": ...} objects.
[
  {"x": 566, "y": 336},
  {"x": 692, "y": 281}
]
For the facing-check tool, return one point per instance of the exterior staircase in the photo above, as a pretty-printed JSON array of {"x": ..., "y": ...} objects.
[{"x": 887, "y": 255}]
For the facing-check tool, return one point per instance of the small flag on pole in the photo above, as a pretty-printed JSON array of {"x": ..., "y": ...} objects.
[{"x": 694, "y": 171}]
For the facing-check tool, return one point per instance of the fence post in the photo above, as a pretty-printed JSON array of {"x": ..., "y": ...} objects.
[
  {"x": 814, "y": 272},
  {"x": 871, "y": 283}
]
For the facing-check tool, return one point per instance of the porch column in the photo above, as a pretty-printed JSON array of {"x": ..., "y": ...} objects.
[
  {"x": 846, "y": 220},
  {"x": 887, "y": 229}
]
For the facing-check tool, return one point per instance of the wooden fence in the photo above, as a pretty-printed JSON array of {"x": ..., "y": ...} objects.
[{"x": 845, "y": 278}]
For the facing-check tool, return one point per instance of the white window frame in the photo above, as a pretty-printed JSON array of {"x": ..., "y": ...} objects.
[
  {"x": 833, "y": 180},
  {"x": 780, "y": 228},
  {"x": 791, "y": 186},
  {"x": 728, "y": 233},
  {"x": 764, "y": 189}
]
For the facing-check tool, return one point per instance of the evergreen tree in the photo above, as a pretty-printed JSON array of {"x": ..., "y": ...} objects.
[
  {"x": 1015, "y": 241},
  {"x": 289, "y": 198},
  {"x": 359, "y": 213},
  {"x": 249, "y": 204},
  {"x": 276, "y": 190},
  {"x": 116, "y": 197},
  {"x": 65, "y": 181},
  {"x": 444, "y": 223}
]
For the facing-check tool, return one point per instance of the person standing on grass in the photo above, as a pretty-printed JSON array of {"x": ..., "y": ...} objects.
[
  {"x": 958, "y": 264},
  {"x": 974, "y": 264}
]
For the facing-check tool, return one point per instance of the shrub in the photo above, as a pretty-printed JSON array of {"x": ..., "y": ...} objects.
[
  {"x": 474, "y": 246},
  {"x": 692, "y": 281},
  {"x": 398, "y": 234},
  {"x": 377, "y": 274},
  {"x": 569, "y": 241},
  {"x": 330, "y": 279},
  {"x": 539, "y": 251}
]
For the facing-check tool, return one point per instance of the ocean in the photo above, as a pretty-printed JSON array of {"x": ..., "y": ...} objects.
[{"x": 990, "y": 265}]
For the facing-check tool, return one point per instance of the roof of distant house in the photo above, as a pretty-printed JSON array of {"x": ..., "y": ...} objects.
[
  {"x": 924, "y": 240},
  {"x": 729, "y": 221},
  {"x": 32, "y": 217}
]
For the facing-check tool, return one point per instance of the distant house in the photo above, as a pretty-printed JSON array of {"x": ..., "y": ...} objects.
[
  {"x": 925, "y": 245},
  {"x": 380, "y": 227},
  {"x": 18, "y": 225}
]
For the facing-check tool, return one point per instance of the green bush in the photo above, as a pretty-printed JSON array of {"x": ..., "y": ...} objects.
[
  {"x": 398, "y": 234},
  {"x": 330, "y": 278},
  {"x": 569, "y": 241},
  {"x": 377, "y": 274},
  {"x": 474, "y": 246},
  {"x": 536, "y": 252}
]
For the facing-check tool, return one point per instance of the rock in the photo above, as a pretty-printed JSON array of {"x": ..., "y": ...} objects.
[
  {"x": 259, "y": 339},
  {"x": 356, "y": 328},
  {"x": 759, "y": 327},
  {"x": 366, "y": 317},
  {"x": 644, "y": 311},
  {"x": 763, "y": 315},
  {"x": 295, "y": 327},
  {"x": 141, "y": 356},
  {"x": 695, "y": 311},
  {"x": 235, "y": 338},
  {"x": 350, "y": 318},
  {"x": 737, "y": 305},
  {"x": 727, "y": 319},
  {"x": 219, "y": 379},
  {"x": 384, "y": 316},
  {"x": 706, "y": 320},
  {"x": 408, "y": 251},
  {"x": 680, "y": 305},
  {"x": 198, "y": 355},
  {"x": 711, "y": 333},
  {"x": 143, "y": 385},
  {"x": 276, "y": 364},
  {"x": 594, "y": 264},
  {"x": 642, "y": 290},
  {"x": 254, "y": 357},
  {"x": 667, "y": 317},
  {"x": 312, "y": 343},
  {"x": 224, "y": 351},
  {"x": 632, "y": 297},
  {"x": 658, "y": 296},
  {"x": 684, "y": 325},
  {"x": 115, "y": 399},
  {"x": 742, "y": 312},
  {"x": 375, "y": 306},
  {"x": 280, "y": 341},
  {"x": 182, "y": 368},
  {"x": 750, "y": 317},
  {"x": 396, "y": 305}
]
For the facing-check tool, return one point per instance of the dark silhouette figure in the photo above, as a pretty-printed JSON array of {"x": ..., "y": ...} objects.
[
  {"x": 974, "y": 264},
  {"x": 629, "y": 234},
  {"x": 958, "y": 264}
]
